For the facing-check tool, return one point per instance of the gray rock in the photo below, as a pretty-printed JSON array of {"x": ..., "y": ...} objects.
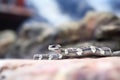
[
  {"x": 7, "y": 38},
  {"x": 108, "y": 32},
  {"x": 32, "y": 39}
]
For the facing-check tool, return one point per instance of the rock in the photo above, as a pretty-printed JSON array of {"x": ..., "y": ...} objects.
[
  {"x": 98, "y": 18},
  {"x": 18, "y": 49},
  {"x": 96, "y": 21},
  {"x": 85, "y": 29},
  {"x": 108, "y": 32},
  {"x": 7, "y": 38},
  {"x": 77, "y": 69},
  {"x": 68, "y": 32},
  {"x": 36, "y": 31},
  {"x": 33, "y": 38},
  {"x": 74, "y": 32}
]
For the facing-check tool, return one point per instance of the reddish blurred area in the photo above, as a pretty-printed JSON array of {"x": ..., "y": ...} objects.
[
  {"x": 13, "y": 13},
  {"x": 14, "y": 2}
]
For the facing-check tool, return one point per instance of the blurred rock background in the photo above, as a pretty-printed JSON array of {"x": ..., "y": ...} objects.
[{"x": 32, "y": 25}]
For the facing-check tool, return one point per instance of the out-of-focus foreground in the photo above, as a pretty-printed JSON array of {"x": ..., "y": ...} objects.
[{"x": 74, "y": 69}]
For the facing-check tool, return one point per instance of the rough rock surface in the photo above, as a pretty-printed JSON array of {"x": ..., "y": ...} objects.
[
  {"x": 70, "y": 69},
  {"x": 108, "y": 32}
]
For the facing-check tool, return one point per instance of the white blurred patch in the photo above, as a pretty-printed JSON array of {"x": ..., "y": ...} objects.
[
  {"x": 104, "y": 6},
  {"x": 102, "y": 51},
  {"x": 50, "y": 10},
  {"x": 100, "y": 5},
  {"x": 79, "y": 51},
  {"x": 66, "y": 51},
  {"x": 93, "y": 49}
]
